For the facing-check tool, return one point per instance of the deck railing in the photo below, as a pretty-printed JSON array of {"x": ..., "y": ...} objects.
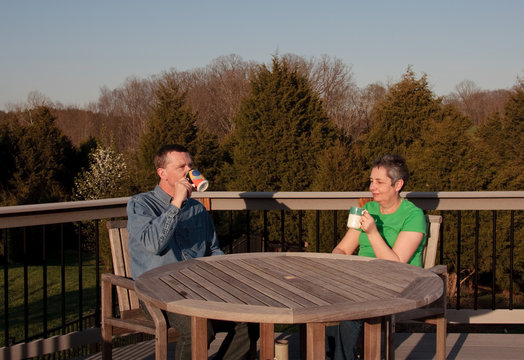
[{"x": 494, "y": 211}]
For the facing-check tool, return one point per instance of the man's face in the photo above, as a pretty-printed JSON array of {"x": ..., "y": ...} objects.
[{"x": 178, "y": 164}]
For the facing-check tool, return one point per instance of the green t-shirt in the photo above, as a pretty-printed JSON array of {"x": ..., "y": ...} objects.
[{"x": 407, "y": 217}]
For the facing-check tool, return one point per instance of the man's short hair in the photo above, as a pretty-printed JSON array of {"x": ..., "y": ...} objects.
[
  {"x": 395, "y": 166},
  {"x": 161, "y": 155}
]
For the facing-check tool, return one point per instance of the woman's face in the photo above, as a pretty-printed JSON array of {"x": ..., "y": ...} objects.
[{"x": 381, "y": 187}]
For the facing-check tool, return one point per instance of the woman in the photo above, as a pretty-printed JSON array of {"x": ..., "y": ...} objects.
[{"x": 391, "y": 228}]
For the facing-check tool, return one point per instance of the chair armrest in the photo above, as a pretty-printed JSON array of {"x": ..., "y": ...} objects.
[
  {"x": 439, "y": 269},
  {"x": 118, "y": 281}
]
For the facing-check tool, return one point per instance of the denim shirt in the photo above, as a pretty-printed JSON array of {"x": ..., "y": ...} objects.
[{"x": 161, "y": 233}]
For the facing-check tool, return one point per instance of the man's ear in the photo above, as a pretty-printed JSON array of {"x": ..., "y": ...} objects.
[{"x": 161, "y": 172}]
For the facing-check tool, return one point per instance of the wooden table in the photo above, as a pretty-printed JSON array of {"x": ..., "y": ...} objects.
[{"x": 288, "y": 288}]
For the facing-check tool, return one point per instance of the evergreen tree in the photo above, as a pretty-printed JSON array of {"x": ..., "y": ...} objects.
[
  {"x": 45, "y": 161},
  {"x": 280, "y": 134},
  {"x": 441, "y": 159},
  {"x": 399, "y": 119},
  {"x": 172, "y": 122},
  {"x": 500, "y": 141},
  {"x": 499, "y": 152},
  {"x": 7, "y": 164},
  {"x": 281, "y": 131}
]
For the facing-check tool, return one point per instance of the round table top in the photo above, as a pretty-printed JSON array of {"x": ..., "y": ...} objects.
[{"x": 288, "y": 288}]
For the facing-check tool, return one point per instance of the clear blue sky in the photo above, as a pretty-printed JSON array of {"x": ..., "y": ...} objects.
[{"x": 69, "y": 49}]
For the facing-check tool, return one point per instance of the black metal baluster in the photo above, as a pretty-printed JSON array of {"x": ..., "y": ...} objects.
[
  {"x": 6, "y": 289},
  {"x": 44, "y": 273},
  {"x": 97, "y": 271},
  {"x": 511, "y": 256},
  {"x": 80, "y": 292},
  {"x": 26, "y": 287},
  {"x": 318, "y": 230},
  {"x": 494, "y": 261},
  {"x": 476, "y": 288},
  {"x": 266, "y": 240},
  {"x": 248, "y": 229},
  {"x": 441, "y": 239},
  {"x": 300, "y": 240},
  {"x": 62, "y": 279},
  {"x": 335, "y": 228},
  {"x": 230, "y": 231},
  {"x": 282, "y": 230},
  {"x": 459, "y": 235}
]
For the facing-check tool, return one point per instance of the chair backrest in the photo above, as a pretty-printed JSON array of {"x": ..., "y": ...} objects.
[
  {"x": 118, "y": 237},
  {"x": 429, "y": 255}
]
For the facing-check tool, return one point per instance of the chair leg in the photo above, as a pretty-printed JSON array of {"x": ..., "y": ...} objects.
[
  {"x": 390, "y": 337},
  {"x": 107, "y": 330},
  {"x": 441, "y": 338},
  {"x": 160, "y": 332},
  {"x": 107, "y": 342}
]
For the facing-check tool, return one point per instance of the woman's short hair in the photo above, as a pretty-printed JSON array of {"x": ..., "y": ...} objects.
[
  {"x": 395, "y": 166},
  {"x": 161, "y": 155}
]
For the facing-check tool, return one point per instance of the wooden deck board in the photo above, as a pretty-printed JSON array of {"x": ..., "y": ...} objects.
[{"x": 417, "y": 346}]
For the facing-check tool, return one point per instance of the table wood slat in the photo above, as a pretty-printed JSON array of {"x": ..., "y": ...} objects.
[
  {"x": 259, "y": 276},
  {"x": 359, "y": 281},
  {"x": 331, "y": 289},
  {"x": 209, "y": 284},
  {"x": 375, "y": 274},
  {"x": 240, "y": 289},
  {"x": 297, "y": 283},
  {"x": 261, "y": 286}
]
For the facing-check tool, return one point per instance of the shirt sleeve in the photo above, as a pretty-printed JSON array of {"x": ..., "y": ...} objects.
[
  {"x": 151, "y": 230},
  {"x": 415, "y": 221},
  {"x": 213, "y": 246}
]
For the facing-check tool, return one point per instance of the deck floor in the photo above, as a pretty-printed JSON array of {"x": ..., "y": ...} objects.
[{"x": 460, "y": 346}]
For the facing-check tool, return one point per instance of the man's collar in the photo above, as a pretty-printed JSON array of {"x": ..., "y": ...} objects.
[
  {"x": 162, "y": 195},
  {"x": 165, "y": 197}
]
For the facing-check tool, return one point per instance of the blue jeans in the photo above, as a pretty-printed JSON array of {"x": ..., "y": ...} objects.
[{"x": 342, "y": 340}]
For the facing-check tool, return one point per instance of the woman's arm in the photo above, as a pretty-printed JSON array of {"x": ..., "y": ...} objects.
[{"x": 348, "y": 244}]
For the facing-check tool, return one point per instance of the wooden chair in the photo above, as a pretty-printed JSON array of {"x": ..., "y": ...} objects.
[
  {"x": 132, "y": 319},
  {"x": 434, "y": 313}
]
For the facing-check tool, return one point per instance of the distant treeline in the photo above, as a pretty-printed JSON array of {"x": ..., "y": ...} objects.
[{"x": 292, "y": 125}]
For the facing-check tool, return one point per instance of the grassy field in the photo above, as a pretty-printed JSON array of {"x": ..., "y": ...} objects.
[{"x": 35, "y": 295}]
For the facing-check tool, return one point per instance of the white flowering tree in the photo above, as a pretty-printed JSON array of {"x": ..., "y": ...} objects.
[{"x": 105, "y": 177}]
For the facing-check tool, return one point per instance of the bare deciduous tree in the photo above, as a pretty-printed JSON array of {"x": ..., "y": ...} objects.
[
  {"x": 127, "y": 110},
  {"x": 218, "y": 91},
  {"x": 333, "y": 81},
  {"x": 476, "y": 103}
]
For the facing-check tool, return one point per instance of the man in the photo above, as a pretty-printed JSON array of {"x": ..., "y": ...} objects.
[{"x": 166, "y": 225}]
